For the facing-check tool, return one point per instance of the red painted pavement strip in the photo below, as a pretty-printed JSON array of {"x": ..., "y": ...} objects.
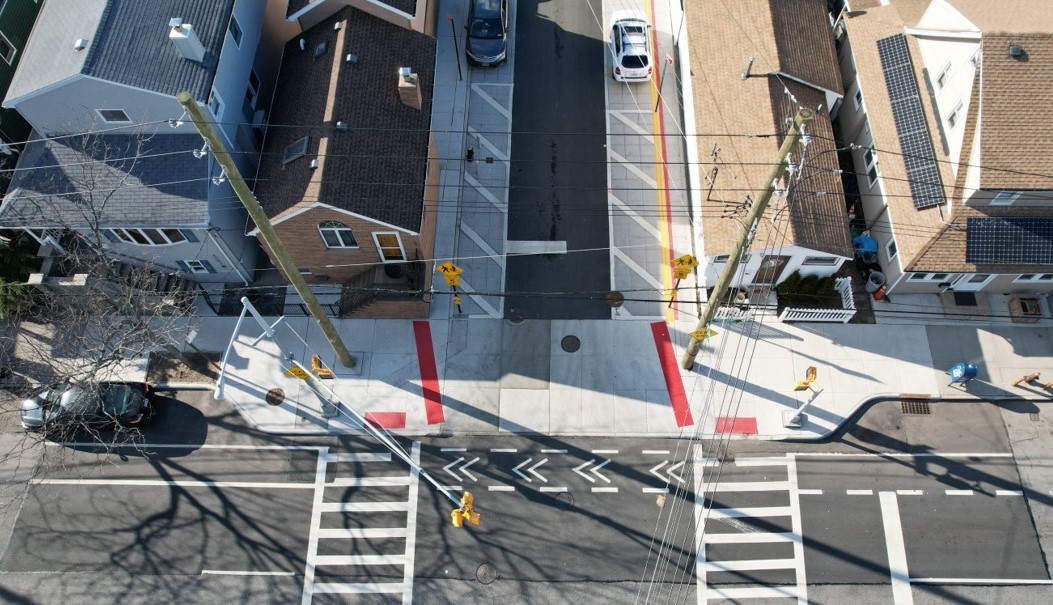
[
  {"x": 387, "y": 420},
  {"x": 429, "y": 376},
  {"x": 671, "y": 370},
  {"x": 732, "y": 424}
]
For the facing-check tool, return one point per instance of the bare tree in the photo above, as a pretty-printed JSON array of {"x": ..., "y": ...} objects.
[{"x": 97, "y": 315}]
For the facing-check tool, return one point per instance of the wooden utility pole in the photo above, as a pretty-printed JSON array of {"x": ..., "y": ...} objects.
[
  {"x": 281, "y": 255},
  {"x": 789, "y": 144}
]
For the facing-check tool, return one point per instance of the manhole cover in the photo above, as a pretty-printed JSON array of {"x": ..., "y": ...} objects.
[
  {"x": 615, "y": 299},
  {"x": 275, "y": 396},
  {"x": 486, "y": 573},
  {"x": 570, "y": 344},
  {"x": 915, "y": 407},
  {"x": 564, "y": 501}
]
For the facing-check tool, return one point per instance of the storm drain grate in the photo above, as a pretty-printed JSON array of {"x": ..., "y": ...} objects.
[
  {"x": 275, "y": 396},
  {"x": 916, "y": 407},
  {"x": 486, "y": 573}
]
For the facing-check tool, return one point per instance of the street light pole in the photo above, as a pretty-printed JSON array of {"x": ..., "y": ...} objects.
[
  {"x": 281, "y": 255},
  {"x": 789, "y": 144}
]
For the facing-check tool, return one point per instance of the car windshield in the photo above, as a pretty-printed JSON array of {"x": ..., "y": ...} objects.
[
  {"x": 117, "y": 399},
  {"x": 634, "y": 61},
  {"x": 486, "y": 29}
]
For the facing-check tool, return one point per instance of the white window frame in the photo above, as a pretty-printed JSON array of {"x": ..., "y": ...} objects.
[
  {"x": 891, "y": 249},
  {"x": 721, "y": 259},
  {"x": 125, "y": 235},
  {"x": 857, "y": 99},
  {"x": 252, "y": 93},
  {"x": 335, "y": 227},
  {"x": 931, "y": 277},
  {"x": 231, "y": 27},
  {"x": 127, "y": 120},
  {"x": 197, "y": 267},
  {"x": 955, "y": 117},
  {"x": 215, "y": 104},
  {"x": 820, "y": 261},
  {"x": 1035, "y": 278},
  {"x": 1005, "y": 198},
  {"x": 870, "y": 162},
  {"x": 14, "y": 50},
  {"x": 380, "y": 249},
  {"x": 944, "y": 75}
]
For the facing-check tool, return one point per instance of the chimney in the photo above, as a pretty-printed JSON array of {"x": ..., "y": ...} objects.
[
  {"x": 183, "y": 36},
  {"x": 409, "y": 88}
]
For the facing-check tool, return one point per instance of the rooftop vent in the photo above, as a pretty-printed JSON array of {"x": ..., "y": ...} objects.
[
  {"x": 80, "y": 44},
  {"x": 1016, "y": 51},
  {"x": 186, "y": 40}
]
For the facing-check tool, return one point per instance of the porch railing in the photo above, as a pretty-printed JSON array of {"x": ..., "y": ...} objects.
[{"x": 843, "y": 285}]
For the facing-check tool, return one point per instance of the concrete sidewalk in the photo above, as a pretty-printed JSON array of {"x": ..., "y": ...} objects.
[{"x": 494, "y": 376}]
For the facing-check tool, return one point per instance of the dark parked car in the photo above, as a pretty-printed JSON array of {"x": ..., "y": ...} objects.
[
  {"x": 68, "y": 407},
  {"x": 487, "y": 41}
]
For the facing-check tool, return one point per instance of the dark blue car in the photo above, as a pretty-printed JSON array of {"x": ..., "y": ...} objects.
[{"x": 487, "y": 41}]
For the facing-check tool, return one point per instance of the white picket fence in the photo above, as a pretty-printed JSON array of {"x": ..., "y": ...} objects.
[{"x": 843, "y": 285}]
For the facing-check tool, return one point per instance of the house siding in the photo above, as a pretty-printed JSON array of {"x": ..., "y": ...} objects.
[{"x": 16, "y": 22}]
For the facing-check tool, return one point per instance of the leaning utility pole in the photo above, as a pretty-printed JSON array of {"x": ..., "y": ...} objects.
[
  {"x": 789, "y": 144},
  {"x": 285, "y": 262}
]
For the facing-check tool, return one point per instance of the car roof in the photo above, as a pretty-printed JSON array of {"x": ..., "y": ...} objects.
[{"x": 487, "y": 9}]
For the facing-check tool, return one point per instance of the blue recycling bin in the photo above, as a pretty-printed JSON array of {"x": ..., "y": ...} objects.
[{"x": 963, "y": 372}]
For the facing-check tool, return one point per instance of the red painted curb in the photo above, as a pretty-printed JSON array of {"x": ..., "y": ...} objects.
[
  {"x": 732, "y": 424},
  {"x": 429, "y": 376},
  {"x": 671, "y": 371}
]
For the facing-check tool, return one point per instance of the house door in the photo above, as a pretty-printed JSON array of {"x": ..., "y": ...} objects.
[
  {"x": 972, "y": 282},
  {"x": 770, "y": 269},
  {"x": 390, "y": 247}
]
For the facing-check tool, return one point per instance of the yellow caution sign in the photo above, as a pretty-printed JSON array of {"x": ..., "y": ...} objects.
[
  {"x": 683, "y": 265},
  {"x": 296, "y": 372},
  {"x": 703, "y": 333},
  {"x": 465, "y": 513},
  {"x": 451, "y": 273}
]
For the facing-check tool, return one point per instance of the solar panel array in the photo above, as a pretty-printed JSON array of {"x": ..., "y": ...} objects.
[
  {"x": 926, "y": 189},
  {"x": 1009, "y": 241}
]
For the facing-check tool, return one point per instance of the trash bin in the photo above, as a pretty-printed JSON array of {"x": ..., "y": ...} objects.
[
  {"x": 963, "y": 372},
  {"x": 875, "y": 280}
]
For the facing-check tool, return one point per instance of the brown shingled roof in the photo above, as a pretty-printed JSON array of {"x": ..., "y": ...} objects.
[
  {"x": 804, "y": 44},
  {"x": 377, "y": 166},
  {"x": 759, "y": 105},
  {"x": 1016, "y": 115}
]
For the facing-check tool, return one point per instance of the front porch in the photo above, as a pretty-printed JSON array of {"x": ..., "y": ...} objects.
[{"x": 957, "y": 307}]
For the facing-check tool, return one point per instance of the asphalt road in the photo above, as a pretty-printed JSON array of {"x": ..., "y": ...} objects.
[
  {"x": 236, "y": 516},
  {"x": 558, "y": 170}
]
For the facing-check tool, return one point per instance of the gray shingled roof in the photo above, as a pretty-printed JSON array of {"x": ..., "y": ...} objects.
[
  {"x": 129, "y": 45},
  {"x": 123, "y": 180}
]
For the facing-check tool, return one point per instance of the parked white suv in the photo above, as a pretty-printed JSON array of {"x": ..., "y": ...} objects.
[{"x": 630, "y": 46}]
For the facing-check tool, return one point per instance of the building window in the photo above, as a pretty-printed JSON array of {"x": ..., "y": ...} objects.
[
  {"x": 825, "y": 261},
  {"x": 945, "y": 76},
  {"x": 936, "y": 277},
  {"x": 1005, "y": 198},
  {"x": 721, "y": 258},
  {"x": 890, "y": 249},
  {"x": 1035, "y": 277},
  {"x": 297, "y": 149},
  {"x": 7, "y": 50},
  {"x": 235, "y": 31},
  {"x": 113, "y": 115},
  {"x": 149, "y": 237},
  {"x": 955, "y": 116},
  {"x": 195, "y": 266},
  {"x": 252, "y": 92},
  {"x": 337, "y": 235},
  {"x": 858, "y": 98},
  {"x": 390, "y": 247},
  {"x": 870, "y": 161},
  {"x": 215, "y": 104},
  {"x": 304, "y": 271}
]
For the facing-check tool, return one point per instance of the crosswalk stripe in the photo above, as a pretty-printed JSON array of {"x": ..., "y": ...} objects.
[
  {"x": 368, "y": 481},
  {"x": 750, "y": 564},
  {"x": 760, "y": 511},
  {"x": 367, "y": 457},
  {"x": 360, "y": 587},
  {"x": 1008, "y": 492},
  {"x": 752, "y": 538},
  {"x": 362, "y": 532},
  {"x": 359, "y": 560},
  {"x": 762, "y": 461},
  {"x": 749, "y": 486},
  {"x": 859, "y": 492},
  {"x": 362, "y": 507},
  {"x": 755, "y": 592}
]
